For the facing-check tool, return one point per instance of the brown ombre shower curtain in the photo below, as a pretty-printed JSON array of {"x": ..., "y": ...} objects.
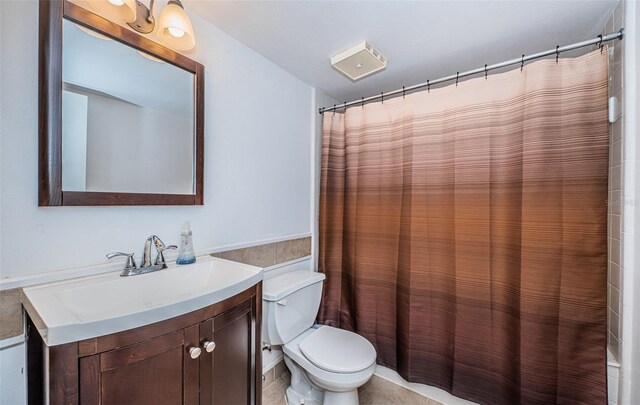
[{"x": 463, "y": 232}]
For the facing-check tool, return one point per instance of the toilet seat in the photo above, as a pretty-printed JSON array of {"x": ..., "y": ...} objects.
[
  {"x": 338, "y": 350},
  {"x": 327, "y": 380}
]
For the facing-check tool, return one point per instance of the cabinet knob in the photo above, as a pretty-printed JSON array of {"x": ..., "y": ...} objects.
[
  {"x": 209, "y": 346},
  {"x": 194, "y": 352}
]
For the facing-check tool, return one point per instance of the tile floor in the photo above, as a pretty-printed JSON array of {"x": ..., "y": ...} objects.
[
  {"x": 274, "y": 385},
  {"x": 378, "y": 391}
]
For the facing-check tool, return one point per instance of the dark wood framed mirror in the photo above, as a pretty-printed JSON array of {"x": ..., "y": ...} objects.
[{"x": 121, "y": 117}]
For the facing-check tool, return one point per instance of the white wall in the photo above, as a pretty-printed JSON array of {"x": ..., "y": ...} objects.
[{"x": 258, "y": 142}]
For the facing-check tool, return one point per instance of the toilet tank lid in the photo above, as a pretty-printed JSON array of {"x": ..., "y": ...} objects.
[{"x": 276, "y": 288}]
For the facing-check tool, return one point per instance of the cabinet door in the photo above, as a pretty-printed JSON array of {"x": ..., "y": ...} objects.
[
  {"x": 156, "y": 371},
  {"x": 227, "y": 374}
]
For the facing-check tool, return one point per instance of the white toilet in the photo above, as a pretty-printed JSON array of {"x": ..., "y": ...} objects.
[{"x": 327, "y": 364}]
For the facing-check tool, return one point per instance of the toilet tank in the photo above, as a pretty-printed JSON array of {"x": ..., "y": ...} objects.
[{"x": 290, "y": 303}]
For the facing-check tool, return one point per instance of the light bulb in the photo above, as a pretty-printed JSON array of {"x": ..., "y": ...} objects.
[
  {"x": 116, "y": 2},
  {"x": 176, "y": 32},
  {"x": 174, "y": 27},
  {"x": 359, "y": 66}
]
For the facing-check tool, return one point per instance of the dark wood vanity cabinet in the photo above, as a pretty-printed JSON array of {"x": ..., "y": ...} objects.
[
  {"x": 231, "y": 368},
  {"x": 156, "y": 371},
  {"x": 155, "y": 364}
]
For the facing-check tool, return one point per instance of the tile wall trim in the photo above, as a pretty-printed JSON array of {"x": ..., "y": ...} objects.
[
  {"x": 269, "y": 254},
  {"x": 12, "y": 341},
  {"x": 285, "y": 264}
]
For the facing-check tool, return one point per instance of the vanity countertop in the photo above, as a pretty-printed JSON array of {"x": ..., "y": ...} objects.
[{"x": 89, "y": 307}]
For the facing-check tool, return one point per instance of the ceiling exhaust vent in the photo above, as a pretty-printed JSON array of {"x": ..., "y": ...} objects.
[{"x": 359, "y": 61}]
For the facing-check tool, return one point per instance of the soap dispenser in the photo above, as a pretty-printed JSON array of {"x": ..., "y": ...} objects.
[{"x": 186, "y": 255}]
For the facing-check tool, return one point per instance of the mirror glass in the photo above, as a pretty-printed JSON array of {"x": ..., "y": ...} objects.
[{"x": 127, "y": 118}]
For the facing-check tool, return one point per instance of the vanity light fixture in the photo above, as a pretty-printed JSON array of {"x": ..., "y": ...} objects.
[{"x": 174, "y": 26}]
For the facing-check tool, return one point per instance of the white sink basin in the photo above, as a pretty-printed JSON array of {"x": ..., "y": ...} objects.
[{"x": 85, "y": 308}]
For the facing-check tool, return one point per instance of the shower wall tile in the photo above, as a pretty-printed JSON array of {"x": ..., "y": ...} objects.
[
  {"x": 614, "y": 221},
  {"x": 613, "y": 323},
  {"x": 614, "y": 253},
  {"x": 617, "y": 168},
  {"x": 616, "y": 202},
  {"x": 616, "y": 154},
  {"x": 614, "y": 275},
  {"x": 616, "y": 193},
  {"x": 616, "y": 132},
  {"x": 614, "y": 293},
  {"x": 614, "y": 344},
  {"x": 616, "y": 176}
]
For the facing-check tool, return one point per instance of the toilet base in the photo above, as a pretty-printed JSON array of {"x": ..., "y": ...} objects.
[
  {"x": 303, "y": 392},
  {"x": 341, "y": 398},
  {"x": 330, "y": 398},
  {"x": 293, "y": 397}
]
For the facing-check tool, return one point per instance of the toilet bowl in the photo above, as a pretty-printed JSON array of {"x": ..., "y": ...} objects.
[{"x": 327, "y": 364}]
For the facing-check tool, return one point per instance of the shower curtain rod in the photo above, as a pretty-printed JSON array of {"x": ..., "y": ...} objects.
[{"x": 558, "y": 49}]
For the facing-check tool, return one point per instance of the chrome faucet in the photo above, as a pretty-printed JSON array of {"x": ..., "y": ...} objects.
[
  {"x": 160, "y": 248},
  {"x": 131, "y": 269}
]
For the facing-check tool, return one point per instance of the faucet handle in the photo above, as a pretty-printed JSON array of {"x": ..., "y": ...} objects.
[
  {"x": 131, "y": 263},
  {"x": 161, "y": 249},
  {"x": 160, "y": 246}
]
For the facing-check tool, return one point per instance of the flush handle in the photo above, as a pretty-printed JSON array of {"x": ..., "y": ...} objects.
[
  {"x": 194, "y": 352},
  {"x": 209, "y": 346},
  {"x": 282, "y": 302}
]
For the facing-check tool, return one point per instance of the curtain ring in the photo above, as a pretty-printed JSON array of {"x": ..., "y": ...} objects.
[
  {"x": 522, "y": 63},
  {"x": 428, "y": 87},
  {"x": 402, "y": 91},
  {"x": 345, "y": 106},
  {"x": 485, "y": 72},
  {"x": 457, "y": 74},
  {"x": 557, "y": 52},
  {"x": 334, "y": 109},
  {"x": 382, "y": 97},
  {"x": 362, "y": 102},
  {"x": 600, "y": 43}
]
